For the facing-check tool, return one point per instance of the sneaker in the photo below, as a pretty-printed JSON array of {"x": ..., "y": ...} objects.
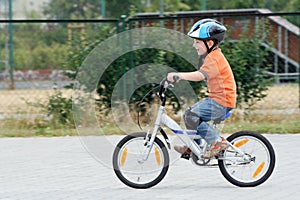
[
  {"x": 217, "y": 148},
  {"x": 224, "y": 144},
  {"x": 182, "y": 149}
]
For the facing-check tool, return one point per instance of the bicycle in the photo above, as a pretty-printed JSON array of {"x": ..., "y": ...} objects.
[{"x": 141, "y": 160}]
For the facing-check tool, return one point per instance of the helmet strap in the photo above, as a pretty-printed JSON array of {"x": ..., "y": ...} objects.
[
  {"x": 207, "y": 47},
  {"x": 212, "y": 48}
]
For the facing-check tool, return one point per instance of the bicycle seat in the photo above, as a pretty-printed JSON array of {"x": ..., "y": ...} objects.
[{"x": 218, "y": 120}]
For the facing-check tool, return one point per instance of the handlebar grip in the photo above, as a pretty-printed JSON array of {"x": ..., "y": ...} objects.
[{"x": 176, "y": 78}]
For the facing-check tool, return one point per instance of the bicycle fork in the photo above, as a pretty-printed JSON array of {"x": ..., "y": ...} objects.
[{"x": 149, "y": 144}]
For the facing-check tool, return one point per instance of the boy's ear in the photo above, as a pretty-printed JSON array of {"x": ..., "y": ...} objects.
[{"x": 210, "y": 43}]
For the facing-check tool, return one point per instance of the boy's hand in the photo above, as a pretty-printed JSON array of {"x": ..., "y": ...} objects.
[{"x": 170, "y": 77}]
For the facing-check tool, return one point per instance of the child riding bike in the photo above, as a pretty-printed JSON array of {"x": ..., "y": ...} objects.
[{"x": 216, "y": 71}]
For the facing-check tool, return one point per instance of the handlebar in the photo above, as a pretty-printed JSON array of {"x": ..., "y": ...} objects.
[
  {"x": 164, "y": 85},
  {"x": 176, "y": 78}
]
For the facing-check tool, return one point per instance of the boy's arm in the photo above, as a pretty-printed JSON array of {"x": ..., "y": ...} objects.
[{"x": 188, "y": 76}]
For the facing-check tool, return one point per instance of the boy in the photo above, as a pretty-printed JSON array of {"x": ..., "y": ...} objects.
[{"x": 216, "y": 71}]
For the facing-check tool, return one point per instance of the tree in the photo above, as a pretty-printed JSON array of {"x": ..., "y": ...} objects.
[
  {"x": 169, "y": 6},
  {"x": 73, "y": 9},
  {"x": 273, "y": 5},
  {"x": 89, "y": 9},
  {"x": 116, "y": 8},
  {"x": 292, "y": 5}
]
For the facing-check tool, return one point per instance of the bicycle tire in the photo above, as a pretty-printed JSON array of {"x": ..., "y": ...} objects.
[
  {"x": 116, "y": 155},
  {"x": 271, "y": 156}
]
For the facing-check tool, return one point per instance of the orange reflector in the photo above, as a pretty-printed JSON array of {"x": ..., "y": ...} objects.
[
  {"x": 258, "y": 170},
  {"x": 157, "y": 156},
  {"x": 123, "y": 158},
  {"x": 241, "y": 143}
]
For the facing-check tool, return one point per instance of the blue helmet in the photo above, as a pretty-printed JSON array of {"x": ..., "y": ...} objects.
[{"x": 208, "y": 29}]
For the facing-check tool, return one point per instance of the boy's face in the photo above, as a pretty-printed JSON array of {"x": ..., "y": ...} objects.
[{"x": 200, "y": 47}]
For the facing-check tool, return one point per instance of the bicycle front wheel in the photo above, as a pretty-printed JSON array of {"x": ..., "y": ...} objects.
[
  {"x": 255, "y": 166},
  {"x": 129, "y": 168}
]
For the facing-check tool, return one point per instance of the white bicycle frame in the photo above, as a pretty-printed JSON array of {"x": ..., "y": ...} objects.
[{"x": 186, "y": 136}]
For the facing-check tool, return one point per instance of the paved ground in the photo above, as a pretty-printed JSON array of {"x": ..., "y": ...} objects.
[{"x": 61, "y": 168}]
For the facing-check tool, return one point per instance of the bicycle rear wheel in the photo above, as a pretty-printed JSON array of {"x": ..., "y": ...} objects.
[
  {"x": 255, "y": 167},
  {"x": 137, "y": 174}
]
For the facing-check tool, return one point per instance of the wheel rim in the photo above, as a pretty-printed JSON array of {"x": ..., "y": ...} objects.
[
  {"x": 140, "y": 173},
  {"x": 248, "y": 172}
]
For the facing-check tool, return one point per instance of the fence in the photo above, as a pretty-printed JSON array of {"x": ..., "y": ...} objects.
[{"x": 42, "y": 47}]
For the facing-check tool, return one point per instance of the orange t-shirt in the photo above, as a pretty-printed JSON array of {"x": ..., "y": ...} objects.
[{"x": 220, "y": 79}]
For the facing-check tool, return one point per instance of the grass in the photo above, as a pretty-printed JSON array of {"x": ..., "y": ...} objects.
[
  {"x": 292, "y": 127},
  {"x": 276, "y": 128},
  {"x": 11, "y": 132},
  {"x": 271, "y": 128}
]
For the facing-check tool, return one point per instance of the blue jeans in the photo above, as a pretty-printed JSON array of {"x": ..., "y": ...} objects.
[{"x": 208, "y": 109}]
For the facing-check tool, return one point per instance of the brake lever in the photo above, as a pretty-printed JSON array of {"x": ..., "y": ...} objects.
[{"x": 171, "y": 85}]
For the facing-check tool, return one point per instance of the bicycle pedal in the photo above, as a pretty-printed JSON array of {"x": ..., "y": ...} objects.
[
  {"x": 186, "y": 155},
  {"x": 220, "y": 155}
]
